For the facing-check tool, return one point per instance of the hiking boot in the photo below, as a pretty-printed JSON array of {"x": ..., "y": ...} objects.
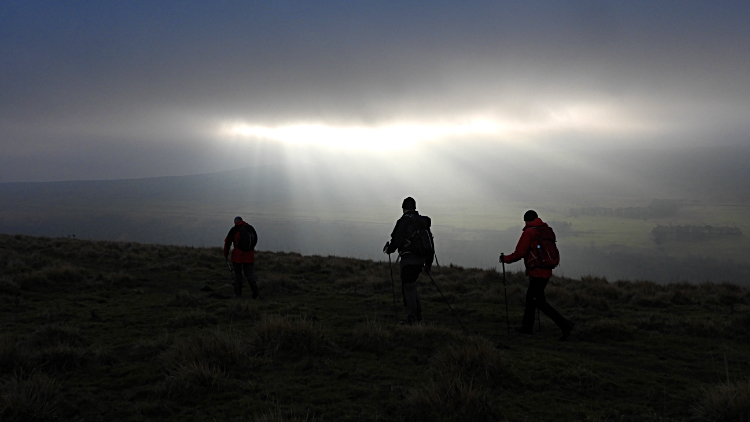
[
  {"x": 522, "y": 330},
  {"x": 566, "y": 331}
]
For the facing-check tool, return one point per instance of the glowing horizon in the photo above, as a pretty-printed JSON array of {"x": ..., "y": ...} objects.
[{"x": 385, "y": 137}]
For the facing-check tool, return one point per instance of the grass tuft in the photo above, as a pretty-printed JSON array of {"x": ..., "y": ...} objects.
[
  {"x": 186, "y": 380},
  {"x": 606, "y": 329},
  {"x": 451, "y": 400},
  {"x": 276, "y": 335},
  {"x": 277, "y": 283},
  {"x": 216, "y": 348},
  {"x": 475, "y": 362},
  {"x": 185, "y": 298},
  {"x": 50, "y": 335},
  {"x": 194, "y": 318},
  {"x": 726, "y": 402},
  {"x": 240, "y": 310},
  {"x": 371, "y": 335},
  {"x": 34, "y": 398}
]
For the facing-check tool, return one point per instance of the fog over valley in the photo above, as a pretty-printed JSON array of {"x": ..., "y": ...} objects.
[{"x": 670, "y": 221}]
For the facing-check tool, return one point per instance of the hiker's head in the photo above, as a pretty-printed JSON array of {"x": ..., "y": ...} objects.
[
  {"x": 237, "y": 219},
  {"x": 409, "y": 204},
  {"x": 530, "y": 215}
]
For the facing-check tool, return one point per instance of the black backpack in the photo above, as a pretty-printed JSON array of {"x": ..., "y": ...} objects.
[
  {"x": 247, "y": 241},
  {"x": 419, "y": 240}
]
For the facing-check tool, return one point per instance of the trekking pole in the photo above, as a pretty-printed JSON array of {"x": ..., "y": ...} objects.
[
  {"x": 231, "y": 270},
  {"x": 393, "y": 286},
  {"x": 446, "y": 301},
  {"x": 505, "y": 288},
  {"x": 539, "y": 316}
]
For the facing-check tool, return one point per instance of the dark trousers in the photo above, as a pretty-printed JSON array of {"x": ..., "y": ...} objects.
[
  {"x": 247, "y": 270},
  {"x": 535, "y": 299},
  {"x": 409, "y": 276}
]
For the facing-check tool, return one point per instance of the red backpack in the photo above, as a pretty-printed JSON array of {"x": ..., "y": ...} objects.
[{"x": 543, "y": 252}]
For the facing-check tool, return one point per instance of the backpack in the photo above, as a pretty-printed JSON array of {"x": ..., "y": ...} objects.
[
  {"x": 543, "y": 252},
  {"x": 246, "y": 242},
  {"x": 419, "y": 239}
]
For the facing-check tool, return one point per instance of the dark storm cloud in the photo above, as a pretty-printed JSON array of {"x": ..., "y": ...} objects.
[{"x": 80, "y": 79}]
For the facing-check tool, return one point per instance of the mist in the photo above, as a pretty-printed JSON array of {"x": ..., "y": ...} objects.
[{"x": 160, "y": 122}]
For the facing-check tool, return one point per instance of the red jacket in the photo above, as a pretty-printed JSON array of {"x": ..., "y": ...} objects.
[
  {"x": 238, "y": 256},
  {"x": 522, "y": 249}
]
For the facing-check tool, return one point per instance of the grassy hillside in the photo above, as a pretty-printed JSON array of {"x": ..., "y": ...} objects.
[{"x": 126, "y": 331}]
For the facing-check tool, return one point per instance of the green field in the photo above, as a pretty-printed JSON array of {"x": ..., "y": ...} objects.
[{"x": 125, "y": 331}]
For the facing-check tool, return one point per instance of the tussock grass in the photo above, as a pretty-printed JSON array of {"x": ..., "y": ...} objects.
[
  {"x": 64, "y": 357},
  {"x": 238, "y": 310},
  {"x": 606, "y": 329},
  {"x": 11, "y": 357},
  {"x": 50, "y": 335},
  {"x": 147, "y": 348},
  {"x": 276, "y": 335},
  {"x": 194, "y": 318},
  {"x": 185, "y": 298},
  {"x": 474, "y": 362},
  {"x": 371, "y": 335},
  {"x": 579, "y": 378},
  {"x": 451, "y": 400},
  {"x": 274, "y": 283},
  {"x": 725, "y": 402},
  {"x": 8, "y": 286},
  {"x": 216, "y": 349},
  {"x": 183, "y": 381},
  {"x": 29, "y": 398},
  {"x": 378, "y": 283},
  {"x": 427, "y": 338},
  {"x": 276, "y": 415}
]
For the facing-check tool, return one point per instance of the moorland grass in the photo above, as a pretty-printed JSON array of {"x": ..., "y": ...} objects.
[{"x": 127, "y": 331}]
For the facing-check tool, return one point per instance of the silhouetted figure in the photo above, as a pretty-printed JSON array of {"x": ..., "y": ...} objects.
[
  {"x": 538, "y": 279},
  {"x": 413, "y": 254},
  {"x": 244, "y": 238}
]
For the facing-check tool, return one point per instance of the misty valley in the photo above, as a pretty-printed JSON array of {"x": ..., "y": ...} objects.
[{"x": 664, "y": 240}]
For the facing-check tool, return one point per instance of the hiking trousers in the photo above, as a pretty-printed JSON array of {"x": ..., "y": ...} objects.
[
  {"x": 535, "y": 299},
  {"x": 246, "y": 269},
  {"x": 409, "y": 276}
]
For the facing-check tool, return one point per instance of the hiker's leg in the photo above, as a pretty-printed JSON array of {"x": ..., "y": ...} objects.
[
  {"x": 237, "y": 278},
  {"x": 249, "y": 271},
  {"x": 409, "y": 275},
  {"x": 541, "y": 303},
  {"x": 528, "y": 313}
]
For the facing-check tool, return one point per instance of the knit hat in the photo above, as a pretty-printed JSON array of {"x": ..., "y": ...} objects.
[
  {"x": 237, "y": 219},
  {"x": 409, "y": 204},
  {"x": 530, "y": 215}
]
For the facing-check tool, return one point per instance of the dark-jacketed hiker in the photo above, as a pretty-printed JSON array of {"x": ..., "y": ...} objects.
[
  {"x": 538, "y": 278},
  {"x": 244, "y": 238},
  {"x": 409, "y": 239}
]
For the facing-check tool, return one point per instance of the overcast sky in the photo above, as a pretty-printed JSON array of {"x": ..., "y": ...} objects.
[{"x": 127, "y": 89}]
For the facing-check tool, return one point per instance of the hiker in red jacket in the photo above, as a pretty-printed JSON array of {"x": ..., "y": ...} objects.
[
  {"x": 244, "y": 238},
  {"x": 538, "y": 279}
]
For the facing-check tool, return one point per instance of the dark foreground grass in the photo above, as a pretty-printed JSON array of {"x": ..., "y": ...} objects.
[{"x": 124, "y": 331}]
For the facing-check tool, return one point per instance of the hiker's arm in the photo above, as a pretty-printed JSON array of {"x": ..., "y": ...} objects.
[
  {"x": 522, "y": 248},
  {"x": 397, "y": 237}
]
